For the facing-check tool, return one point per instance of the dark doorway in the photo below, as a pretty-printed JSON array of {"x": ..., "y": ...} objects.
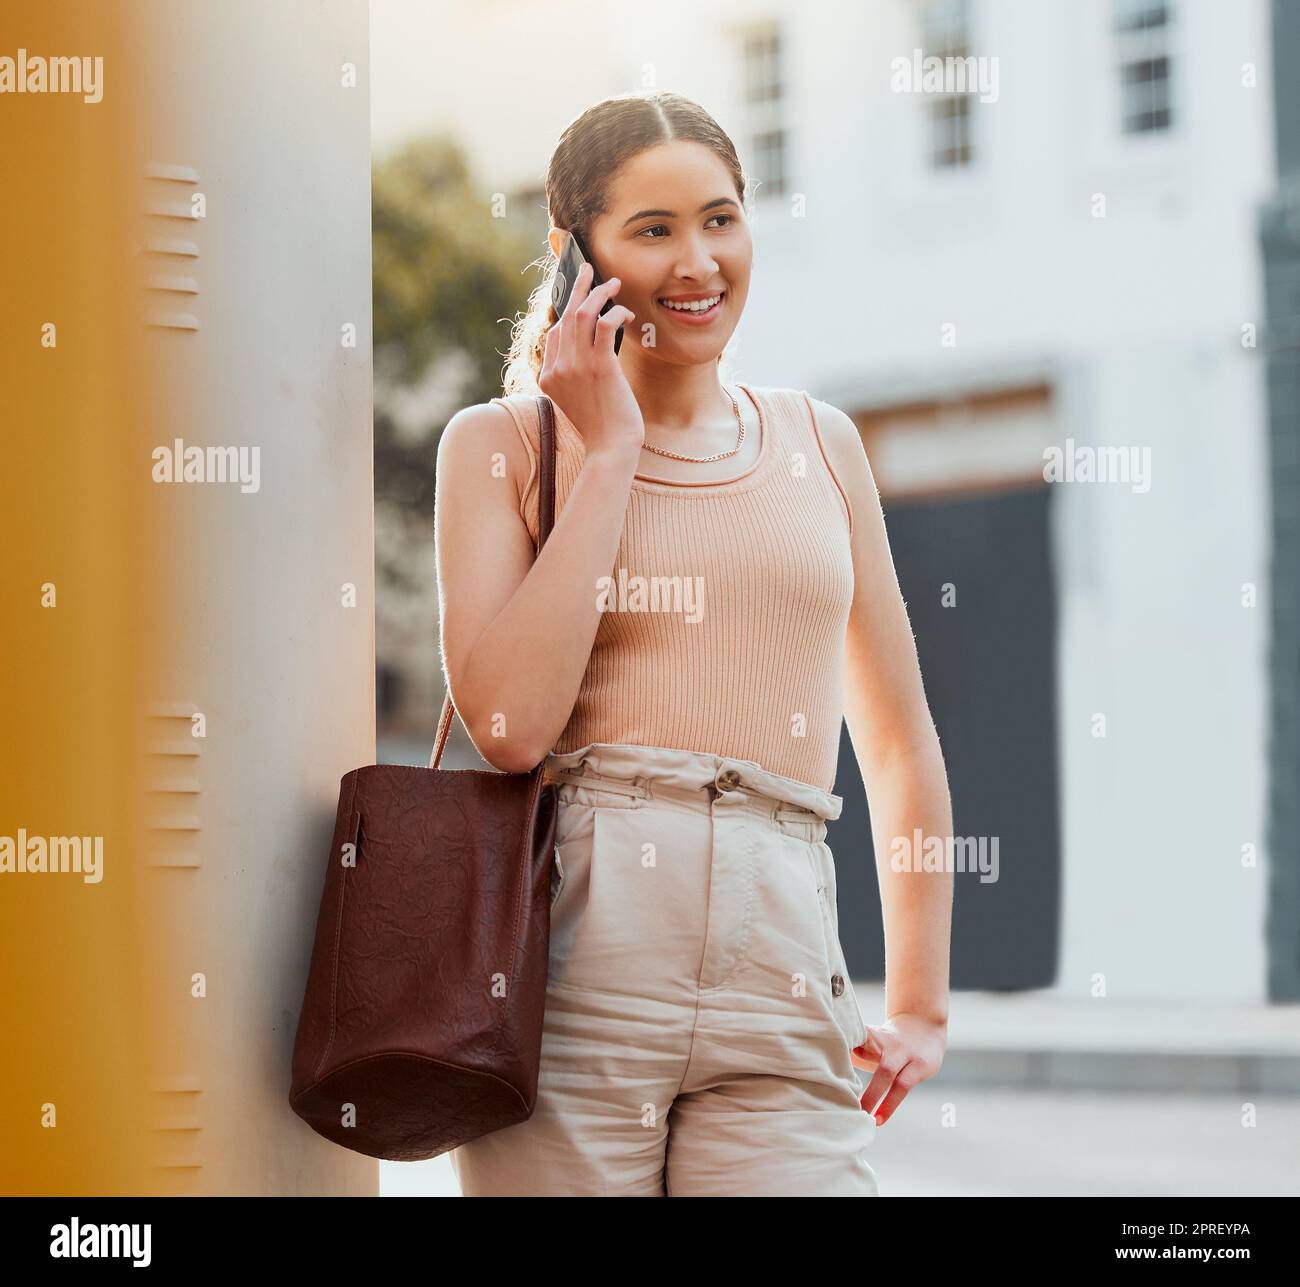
[{"x": 989, "y": 666}]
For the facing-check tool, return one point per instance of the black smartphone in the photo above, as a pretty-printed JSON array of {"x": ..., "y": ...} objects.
[{"x": 572, "y": 259}]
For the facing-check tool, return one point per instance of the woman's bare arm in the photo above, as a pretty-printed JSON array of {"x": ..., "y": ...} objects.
[
  {"x": 517, "y": 633},
  {"x": 895, "y": 741}
]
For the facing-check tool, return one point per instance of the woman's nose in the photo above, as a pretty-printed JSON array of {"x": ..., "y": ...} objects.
[{"x": 697, "y": 262}]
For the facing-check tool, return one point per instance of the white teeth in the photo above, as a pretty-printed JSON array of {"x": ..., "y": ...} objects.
[{"x": 699, "y": 306}]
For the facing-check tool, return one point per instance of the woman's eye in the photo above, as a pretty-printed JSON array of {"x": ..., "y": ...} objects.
[{"x": 663, "y": 228}]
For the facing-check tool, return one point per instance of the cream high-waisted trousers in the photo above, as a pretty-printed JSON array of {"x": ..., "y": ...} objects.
[{"x": 699, "y": 1013}]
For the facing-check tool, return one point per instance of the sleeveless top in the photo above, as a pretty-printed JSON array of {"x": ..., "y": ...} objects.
[{"x": 725, "y": 612}]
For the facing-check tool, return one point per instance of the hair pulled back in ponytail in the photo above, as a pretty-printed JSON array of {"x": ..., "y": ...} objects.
[{"x": 590, "y": 152}]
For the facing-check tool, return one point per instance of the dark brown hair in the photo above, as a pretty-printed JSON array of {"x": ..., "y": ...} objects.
[{"x": 588, "y": 156}]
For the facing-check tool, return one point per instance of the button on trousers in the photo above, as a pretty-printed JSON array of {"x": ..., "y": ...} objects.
[{"x": 699, "y": 1014}]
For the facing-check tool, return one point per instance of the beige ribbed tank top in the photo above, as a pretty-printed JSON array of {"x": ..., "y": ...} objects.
[{"x": 727, "y": 606}]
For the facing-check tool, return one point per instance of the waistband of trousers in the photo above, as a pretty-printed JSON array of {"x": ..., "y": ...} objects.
[{"x": 692, "y": 777}]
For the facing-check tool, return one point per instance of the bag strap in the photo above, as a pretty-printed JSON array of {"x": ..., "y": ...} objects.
[{"x": 545, "y": 521}]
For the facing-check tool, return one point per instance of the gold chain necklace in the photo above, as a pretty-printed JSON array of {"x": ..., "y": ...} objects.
[{"x": 722, "y": 455}]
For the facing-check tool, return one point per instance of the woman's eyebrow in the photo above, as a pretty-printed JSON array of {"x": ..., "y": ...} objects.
[{"x": 672, "y": 214}]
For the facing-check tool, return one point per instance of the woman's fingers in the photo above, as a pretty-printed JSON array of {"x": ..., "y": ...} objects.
[
  {"x": 607, "y": 325},
  {"x": 871, "y": 1048},
  {"x": 885, "y": 1051},
  {"x": 582, "y": 336},
  {"x": 903, "y": 1051},
  {"x": 589, "y": 311},
  {"x": 551, "y": 348},
  {"x": 581, "y": 286},
  {"x": 578, "y": 296},
  {"x": 907, "y": 1078}
]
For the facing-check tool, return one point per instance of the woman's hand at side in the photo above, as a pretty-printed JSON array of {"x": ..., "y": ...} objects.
[
  {"x": 903, "y": 1051},
  {"x": 581, "y": 372}
]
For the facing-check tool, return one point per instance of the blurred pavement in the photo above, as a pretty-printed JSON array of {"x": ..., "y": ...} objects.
[{"x": 1025, "y": 1143}]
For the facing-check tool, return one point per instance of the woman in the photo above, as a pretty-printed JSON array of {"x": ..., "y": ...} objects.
[{"x": 716, "y": 595}]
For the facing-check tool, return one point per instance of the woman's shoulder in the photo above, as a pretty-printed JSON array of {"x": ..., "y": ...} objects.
[
  {"x": 525, "y": 409},
  {"x": 507, "y": 430},
  {"x": 801, "y": 411},
  {"x": 496, "y": 416},
  {"x": 491, "y": 424},
  {"x": 488, "y": 433},
  {"x": 796, "y": 405},
  {"x": 837, "y": 440},
  {"x": 832, "y": 424}
]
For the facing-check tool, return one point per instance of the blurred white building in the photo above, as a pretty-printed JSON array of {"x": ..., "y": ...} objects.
[{"x": 1066, "y": 259}]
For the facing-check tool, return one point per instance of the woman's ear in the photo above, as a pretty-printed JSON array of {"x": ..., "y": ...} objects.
[{"x": 556, "y": 237}]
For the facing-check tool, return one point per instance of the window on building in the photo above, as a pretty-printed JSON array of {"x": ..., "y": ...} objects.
[
  {"x": 1142, "y": 35},
  {"x": 945, "y": 33},
  {"x": 764, "y": 102},
  {"x": 769, "y": 161},
  {"x": 762, "y": 65}
]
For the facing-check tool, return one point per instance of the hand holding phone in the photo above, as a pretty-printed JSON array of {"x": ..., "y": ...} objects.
[
  {"x": 572, "y": 259},
  {"x": 580, "y": 371}
]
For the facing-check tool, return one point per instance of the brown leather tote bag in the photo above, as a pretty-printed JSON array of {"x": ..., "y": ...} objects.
[{"x": 421, "y": 1027}]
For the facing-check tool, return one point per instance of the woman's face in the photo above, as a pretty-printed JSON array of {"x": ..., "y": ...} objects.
[{"x": 674, "y": 231}]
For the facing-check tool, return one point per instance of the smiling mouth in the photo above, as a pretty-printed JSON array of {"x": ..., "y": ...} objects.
[{"x": 697, "y": 310}]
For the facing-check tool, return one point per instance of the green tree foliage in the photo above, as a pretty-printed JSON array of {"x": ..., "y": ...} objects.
[{"x": 448, "y": 280}]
